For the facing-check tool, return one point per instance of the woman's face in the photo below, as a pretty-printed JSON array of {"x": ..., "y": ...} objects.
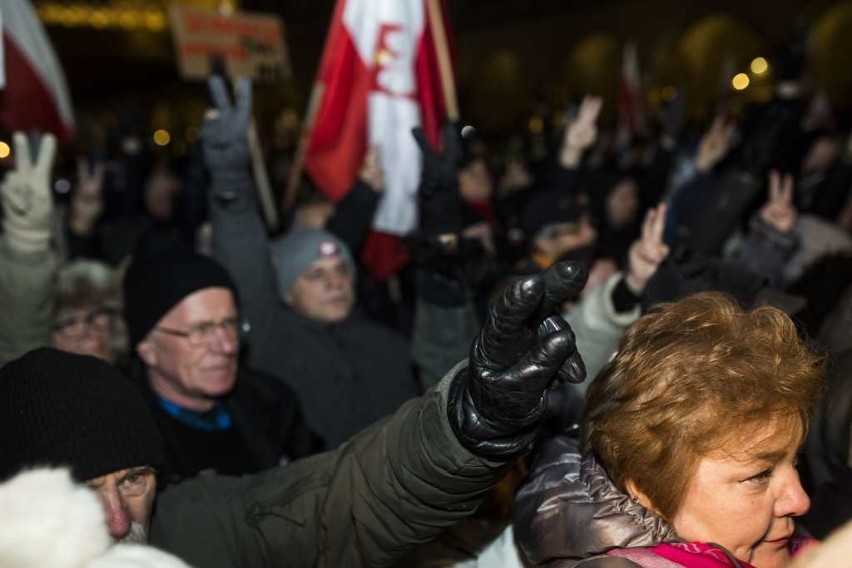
[{"x": 746, "y": 500}]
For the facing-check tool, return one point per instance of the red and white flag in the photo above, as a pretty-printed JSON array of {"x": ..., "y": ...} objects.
[
  {"x": 35, "y": 95},
  {"x": 631, "y": 104},
  {"x": 379, "y": 78}
]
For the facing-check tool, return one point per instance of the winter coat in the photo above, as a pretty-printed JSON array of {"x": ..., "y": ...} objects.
[
  {"x": 348, "y": 374},
  {"x": 599, "y": 327},
  {"x": 26, "y": 299},
  {"x": 570, "y": 514},
  {"x": 265, "y": 414},
  {"x": 395, "y": 485}
]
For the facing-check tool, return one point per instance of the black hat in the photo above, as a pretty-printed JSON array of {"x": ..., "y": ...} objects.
[
  {"x": 62, "y": 409},
  {"x": 160, "y": 275},
  {"x": 552, "y": 207}
]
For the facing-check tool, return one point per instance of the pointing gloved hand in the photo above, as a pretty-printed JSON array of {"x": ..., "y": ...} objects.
[
  {"x": 26, "y": 195},
  {"x": 224, "y": 136},
  {"x": 497, "y": 402}
]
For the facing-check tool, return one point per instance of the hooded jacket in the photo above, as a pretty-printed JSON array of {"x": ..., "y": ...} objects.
[{"x": 569, "y": 510}]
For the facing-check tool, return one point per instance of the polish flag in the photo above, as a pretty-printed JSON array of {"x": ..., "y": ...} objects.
[
  {"x": 631, "y": 113},
  {"x": 35, "y": 95},
  {"x": 379, "y": 78}
]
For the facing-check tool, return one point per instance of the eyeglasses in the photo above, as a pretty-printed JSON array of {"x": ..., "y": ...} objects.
[
  {"x": 75, "y": 326},
  {"x": 135, "y": 483},
  {"x": 204, "y": 332}
]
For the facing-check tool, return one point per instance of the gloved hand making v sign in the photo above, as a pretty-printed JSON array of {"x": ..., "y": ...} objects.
[
  {"x": 224, "y": 136},
  {"x": 497, "y": 402},
  {"x": 26, "y": 195}
]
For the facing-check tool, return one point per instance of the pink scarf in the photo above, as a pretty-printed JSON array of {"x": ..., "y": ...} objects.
[{"x": 698, "y": 554}]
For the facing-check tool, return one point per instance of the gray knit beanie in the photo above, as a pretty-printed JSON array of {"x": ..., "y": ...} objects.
[{"x": 296, "y": 251}]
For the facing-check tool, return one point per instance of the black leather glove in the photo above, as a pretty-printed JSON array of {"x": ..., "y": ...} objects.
[
  {"x": 439, "y": 198},
  {"x": 497, "y": 403}
]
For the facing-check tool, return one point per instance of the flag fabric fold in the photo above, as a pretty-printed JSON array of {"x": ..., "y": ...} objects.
[
  {"x": 378, "y": 79},
  {"x": 35, "y": 95}
]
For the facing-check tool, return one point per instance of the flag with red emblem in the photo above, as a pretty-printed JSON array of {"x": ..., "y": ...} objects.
[{"x": 385, "y": 70}]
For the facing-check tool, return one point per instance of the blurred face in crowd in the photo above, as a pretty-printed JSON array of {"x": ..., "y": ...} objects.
[
  {"x": 86, "y": 331},
  {"x": 622, "y": 205},
  {"x": 475, "y": 183},
  {"x": 558, "y": 239},
  {"x": 162, "y": 191},
  {"x": 127, "y": 497},
  {"x": 324, "y": 292},
  {"x": 745, "y": 499},
  {"x": 191, "y": 355},
  {"x": 821, "y": 154}
]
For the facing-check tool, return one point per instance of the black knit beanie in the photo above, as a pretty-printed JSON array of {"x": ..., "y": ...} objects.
[
  {"x": 159, "y": 277},
  {"x": 62, "y": 409}
]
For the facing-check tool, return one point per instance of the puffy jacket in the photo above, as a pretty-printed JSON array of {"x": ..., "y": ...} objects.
[
  {"x": 570, "y": 514},
  {"x": 569, "y": 510}
]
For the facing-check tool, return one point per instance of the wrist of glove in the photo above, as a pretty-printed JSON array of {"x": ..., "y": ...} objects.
[
  {"x": 489, "y": 436},
  {"x": 26, "y": 240},
  {"x": 497, "y": 403},
  {"x": 226, "y": 183}
]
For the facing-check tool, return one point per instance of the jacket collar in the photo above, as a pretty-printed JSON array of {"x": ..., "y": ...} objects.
[{"x": 569, "y": 509}]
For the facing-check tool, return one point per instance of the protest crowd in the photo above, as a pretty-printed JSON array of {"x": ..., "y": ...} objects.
[{"x": 624, "y": 343}]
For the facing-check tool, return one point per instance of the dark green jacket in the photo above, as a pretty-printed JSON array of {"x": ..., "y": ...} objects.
[{"x": 395, "y": 485}]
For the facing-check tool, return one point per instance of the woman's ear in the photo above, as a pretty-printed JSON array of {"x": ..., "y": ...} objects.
[{"x": 639, "y": 496}]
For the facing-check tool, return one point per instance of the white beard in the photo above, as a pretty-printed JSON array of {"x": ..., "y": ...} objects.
[{"x": 137, "y": 535}]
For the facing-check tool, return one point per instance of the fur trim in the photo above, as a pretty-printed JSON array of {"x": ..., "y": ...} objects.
[{"x": 48, "y": 521}]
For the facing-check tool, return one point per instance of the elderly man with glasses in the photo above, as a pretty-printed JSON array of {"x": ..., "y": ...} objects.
[{"x": 184, "y": 330}]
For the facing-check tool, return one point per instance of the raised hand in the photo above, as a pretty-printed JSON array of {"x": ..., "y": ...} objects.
[
  {"x": 86, "y": 199},
  {"x": 25, "y": 193},
  {"x": 371, "y": 170},
  {"x": 714, "y": 144},
  {"x": 779, "y": 211},
  {"x": 496, "y": 404},
  {"x": 224, "y": 134},
  {"x": 439, "y": 200},
  {"x": 648, "y": 251},
  {"x": 581, "y": 132}
]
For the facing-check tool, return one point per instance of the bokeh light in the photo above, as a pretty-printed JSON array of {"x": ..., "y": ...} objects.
[
  {"x": 162, "y": 137},
  {"x": 740, "y": 82},
  {"x": 759, "y": 66}
]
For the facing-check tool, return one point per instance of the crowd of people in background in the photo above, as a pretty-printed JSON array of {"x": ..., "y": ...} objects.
[{"x": 699, "y": 276}]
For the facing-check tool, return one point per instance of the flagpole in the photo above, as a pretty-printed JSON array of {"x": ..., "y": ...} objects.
[
  {"x": 442, "y": 50},
  {"x": 293, "y": 181}
]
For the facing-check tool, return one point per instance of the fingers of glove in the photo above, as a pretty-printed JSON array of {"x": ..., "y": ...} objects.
[
  {"x": 506, "y": 333},
  {"x": 545, "y": 361},
  {"x": 573, "y": 370},
  {"x": 244, "y": 91},
  {"x": 422, "y": 142},
  {"x": 46, "y": 153},
  {"x": 563, "y": 281},
  {"x": 16, "y": 194},
  {"x": 219, "y": 92},
  {"x": 452, "y": 143},
  {"x": 23, "y": 160}
]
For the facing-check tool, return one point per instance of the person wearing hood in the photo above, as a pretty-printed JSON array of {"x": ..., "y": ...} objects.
[{"x": 687, "y": 449}]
